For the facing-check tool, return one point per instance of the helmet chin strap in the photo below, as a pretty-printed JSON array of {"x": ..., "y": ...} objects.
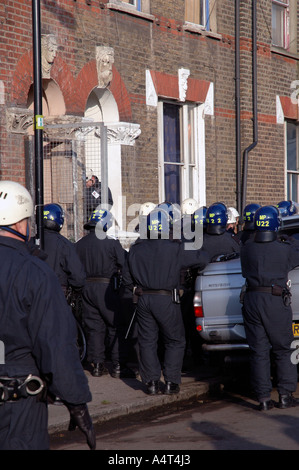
[{"x": 15, "y": 232}]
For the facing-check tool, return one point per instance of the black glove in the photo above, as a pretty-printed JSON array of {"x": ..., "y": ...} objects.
[{"x": 80, "y": 417}]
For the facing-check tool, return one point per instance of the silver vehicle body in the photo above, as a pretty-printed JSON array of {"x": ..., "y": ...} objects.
[{"x": 217, "y": 296}]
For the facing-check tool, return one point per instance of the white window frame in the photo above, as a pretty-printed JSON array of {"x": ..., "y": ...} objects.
[
  {"x": 205, "y": 24},
  {"x": 285, "y": 33},
  {"x": 198, "y": 174},
  {"x": 290, "y": 173},
  {"x": 133, "y": 3}
]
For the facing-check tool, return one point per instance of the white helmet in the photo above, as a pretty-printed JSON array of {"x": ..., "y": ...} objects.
[
  {"x": 189, "y": 206},
  {"x": 146, "y": 208},
  {"x": 231, "y": 218},
  {"x": 234, "y": 212},
  {"x": 15, "y": 203}
]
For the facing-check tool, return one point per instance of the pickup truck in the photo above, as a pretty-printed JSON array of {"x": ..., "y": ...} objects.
[{"x": 217, "y": 307}]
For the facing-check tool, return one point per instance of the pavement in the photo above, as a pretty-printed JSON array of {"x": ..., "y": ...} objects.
[{"x": 113, "y": 398}]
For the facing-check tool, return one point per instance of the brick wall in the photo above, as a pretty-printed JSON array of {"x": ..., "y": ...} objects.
[{"x": 160, "y": 45}]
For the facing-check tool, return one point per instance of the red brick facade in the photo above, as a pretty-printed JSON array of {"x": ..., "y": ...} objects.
[{"x": 159, "y": 42}]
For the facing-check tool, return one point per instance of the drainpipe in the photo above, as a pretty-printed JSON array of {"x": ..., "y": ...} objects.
[
  {"x": 38, "y": 122},
  {"x": 254, "y": 97},
  {"x": 237, "y": 95}
]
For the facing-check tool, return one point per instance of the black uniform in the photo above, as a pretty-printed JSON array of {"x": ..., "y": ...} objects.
[
  {"x": 188, "y": 277},
  {"x": 220, "y": 244},
  {"x": 267, "y": 318},
  {"x": 102, "y": 260},
  {"x": 63, "y": 259},
  {"x": 245, "y": 235},
  {"x": 38, "y": 331},
  {"x": 154, "y": 266}
]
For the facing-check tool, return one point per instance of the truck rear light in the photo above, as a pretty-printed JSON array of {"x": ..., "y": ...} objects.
[
  {"x": 199, "y": 328},
  {"x": 198, "y": 312}
]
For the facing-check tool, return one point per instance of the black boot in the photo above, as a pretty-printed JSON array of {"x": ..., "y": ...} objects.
[
  {"x": 171, "y": 388},
  {"x": 266, "y": 405},
  {"x": 128, "y": 372},
  {"x": 287, "y": 401},
  {"x": 99, "y": 369},
  {"x": 153, "y": 387},
  {"x": 115, "y": 370}
]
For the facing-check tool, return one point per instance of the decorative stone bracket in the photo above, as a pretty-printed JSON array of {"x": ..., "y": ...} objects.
[
  {"x": 122, "y": 133},
  {"x": 183, "y": 75},
  {"x": 18, "y": 120}
]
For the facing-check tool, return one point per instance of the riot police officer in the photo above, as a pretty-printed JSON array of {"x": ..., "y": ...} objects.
[
  {"x": 153, "y": 269},
  {"x": 189, "y": 207},
  {"x": 266, "y": 261},
  {"x": 232, "y": 224},
  {"x": 193, "y": 226},
  {"x": 248, "y": 219},
  {"x": 61, "y": 253},
  {"x": 103, "y": 258},
  {"x": 216, "y": 240},
  {"x": 38, "y": 331},
  {"x": 144, "y": 210},
  {"x": 199, "y": 217}
]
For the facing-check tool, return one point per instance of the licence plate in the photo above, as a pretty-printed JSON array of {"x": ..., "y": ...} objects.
[{"x": 296, "y": 329}]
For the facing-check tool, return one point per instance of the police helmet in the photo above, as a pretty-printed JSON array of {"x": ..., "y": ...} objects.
[
  {"x": 216, "y": 217},
  {"x": 99, "y": 218},
  {"x": 158, "y": 222},
  {"x": 286, "y": 208},
  {"x": 234, "y": 212},
  {"x": 248, "y": 216},
  {"x": 189, "y": 206},
  {"x": 231, "y": 218},
  {"x": 199, "y": 216},
  {"x": 266, "y": 223},
  {"x": 146, "y": 208},
  {"x": 172, "y": 209},
  {"x": 53, "y": 217},
  {"x": 15, "y": 203}
]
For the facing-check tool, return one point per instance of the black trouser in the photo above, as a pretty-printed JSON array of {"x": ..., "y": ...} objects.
[
  {"x": 193, "y": 340},
  {"x": 268, "y": 325},
  {"x": 100, "y": 312},
  {"x": 128, "y": 336},
  {"x": 159, "y": 314},
  {"x": 24, "y": 425}
]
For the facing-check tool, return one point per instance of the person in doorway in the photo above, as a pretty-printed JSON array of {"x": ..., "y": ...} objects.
[
  {"x": 39, "y": 334},
  {"x": 93, "y": 195}
]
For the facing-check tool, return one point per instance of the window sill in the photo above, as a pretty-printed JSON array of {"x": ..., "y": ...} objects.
[
  {"x": 194, "y": 28},
  {"x": 284, "y": 52},
  {"x": 130, "y": 11}
]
